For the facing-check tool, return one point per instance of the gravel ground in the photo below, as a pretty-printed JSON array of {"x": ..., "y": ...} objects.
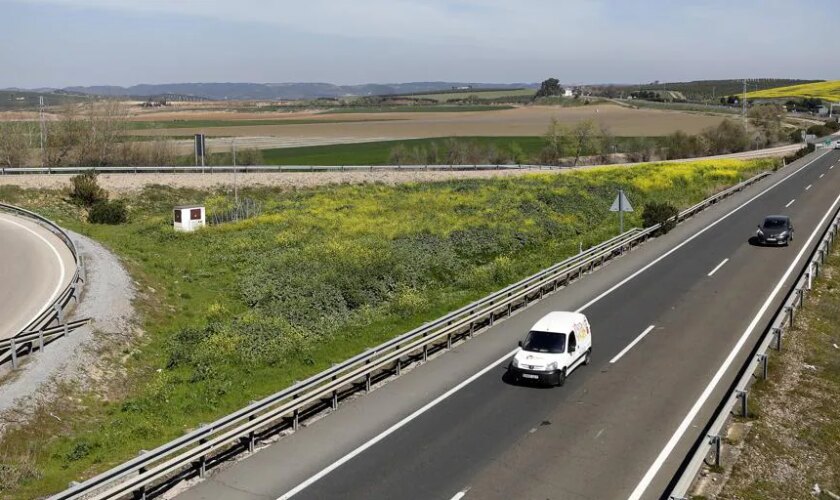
[
  {"x": 125, "y": 183},
  {"x": 107, "y": 298}
]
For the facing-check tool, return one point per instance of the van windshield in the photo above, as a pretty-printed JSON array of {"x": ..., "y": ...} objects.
[{"x": 550, "y": 342}]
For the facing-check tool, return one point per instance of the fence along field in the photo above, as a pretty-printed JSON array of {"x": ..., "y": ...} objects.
[{"x": 321, "y": 275}]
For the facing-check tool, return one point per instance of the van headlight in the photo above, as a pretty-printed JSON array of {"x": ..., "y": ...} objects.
[
  {"x": 514, "y": 363},
  {"x": 551, "y": 366}
]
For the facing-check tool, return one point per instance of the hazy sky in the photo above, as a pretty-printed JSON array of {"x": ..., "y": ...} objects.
[{"x": 56, "y": 43}]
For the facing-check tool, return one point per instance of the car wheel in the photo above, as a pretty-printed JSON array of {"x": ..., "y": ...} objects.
[
  {"x": 588, "y": 358},
  {"x": 561, "y": 380}
]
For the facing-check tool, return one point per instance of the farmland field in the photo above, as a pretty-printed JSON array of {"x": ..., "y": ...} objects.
[
  {"x": 247, "y": 308},
  {"x": 520, "y": 121},
  {"x": 829, "y": 91}
]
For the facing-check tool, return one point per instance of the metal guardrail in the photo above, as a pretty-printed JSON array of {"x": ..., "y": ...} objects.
[
  {"x": 156, "y": 470},
  {"x": 50, "y": 324},
  {"x": 711, "y": 443},
  {"x": 266, "y": 168}
]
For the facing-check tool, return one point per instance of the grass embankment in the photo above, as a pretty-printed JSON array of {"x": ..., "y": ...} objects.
[
  {"x": 238, "y": 311},
  {"x": 794, "y": 441},
  {"x": 524, "y": 148},
  {"x": 829, "y": 91}
]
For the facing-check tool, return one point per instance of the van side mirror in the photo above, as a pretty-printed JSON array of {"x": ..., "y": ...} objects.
[{"x": 519, "y": 343}]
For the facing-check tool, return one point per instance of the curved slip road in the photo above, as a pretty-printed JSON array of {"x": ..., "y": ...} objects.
[
  {"x": 35, "y": 266},
  {"x": 452, "y": 428}
]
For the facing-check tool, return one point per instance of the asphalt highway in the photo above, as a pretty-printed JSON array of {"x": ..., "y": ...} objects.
[
  {"x": 35, "y": 266},
  {"x": 672, "y": 323}
]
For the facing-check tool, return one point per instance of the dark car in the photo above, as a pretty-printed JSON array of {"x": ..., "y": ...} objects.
[{"x": 775, "y": 230}]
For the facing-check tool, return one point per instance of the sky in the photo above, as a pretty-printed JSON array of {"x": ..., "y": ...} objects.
[{"x": 59, "y": 43}]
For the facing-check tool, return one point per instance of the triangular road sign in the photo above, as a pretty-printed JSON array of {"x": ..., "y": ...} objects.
[{"x": 621, "y": 203}]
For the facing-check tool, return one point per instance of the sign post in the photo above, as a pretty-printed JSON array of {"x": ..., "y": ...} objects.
[{"x": 621, "y": 205}]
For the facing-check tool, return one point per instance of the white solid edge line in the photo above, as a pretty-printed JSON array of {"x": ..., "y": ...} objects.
[
  {"x": 669, "y": 446},
  {"x": 790, "y": 203},
  {"x": 823, "y": 175},
  {"x": 808, "y": 187},
  {"x": 631, "y": 344},
  {"x": 297, "y": 489},
  {"x": 338, "y": 463},
  {"x": 460, "y": 494},
  {"x": 713, "y": 271},
  {"x": 60, "y": 263}
]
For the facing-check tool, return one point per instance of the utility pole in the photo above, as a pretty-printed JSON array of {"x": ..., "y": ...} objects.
[
  {"x": 235, "y": 185},
  {"x": 43, "y": 126},
  {"x": 744, "y": 105}
]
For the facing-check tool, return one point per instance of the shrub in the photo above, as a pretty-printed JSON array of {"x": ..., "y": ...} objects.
[
  {"x": 108, "y": 212},
  {"x": 86, "y": 191},
  {"x": 660, "y": 213}
]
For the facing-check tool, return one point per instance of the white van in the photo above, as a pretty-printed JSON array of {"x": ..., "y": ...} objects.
[{"x": 557, "y": 344}]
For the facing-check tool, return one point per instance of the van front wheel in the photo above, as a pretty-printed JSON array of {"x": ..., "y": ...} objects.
[
  {"x": 588, "y": 358},
  {"x": 561, "y": 379}
]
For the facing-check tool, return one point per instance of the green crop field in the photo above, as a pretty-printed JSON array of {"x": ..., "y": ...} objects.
[
  {"x": 237, "y": 311},
  {"x": 481, "y": 94},
  {"x": 520, "y": 149},
  {"x": 829, "y": 91},
  {"x": 419, "y": 108}
]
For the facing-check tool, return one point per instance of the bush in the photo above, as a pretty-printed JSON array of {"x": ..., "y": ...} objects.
[
  {"x": 660, "y": 213},
  {"x": 108, "y": 212},
  {"x": 86, "y": 191}
]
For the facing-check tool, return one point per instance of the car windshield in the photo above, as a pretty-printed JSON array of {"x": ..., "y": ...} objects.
[
  {"x": 774, "y": 223},
  {"x": 545, "y": 342}
]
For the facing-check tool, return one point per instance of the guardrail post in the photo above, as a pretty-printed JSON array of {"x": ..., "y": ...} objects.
[
  {"x": 809, "y": 275},
  {"x": 449, "y": 341},
  {"x": 425, "y": 352},
  {"x": 41, "y": 340},
  {"x": 252, "y": 441},
  {"x": 399, "y": 367},
  {"x": 471, "y": 332},
  {"x": 295, "y": 419},
  {"x": 742, "y": 396},
  {"x": 715, "y": 441},
  {"x": 510, "y": 309},
  {"x": 140, "y": 493},
  {"x": 762, "y": 358},
  {"x": 492, "y": 317},
  {"x": 777, "y": 334},
  {"x": 202, "y": 462},
  {"x": 13, "y": 349},
  {"x": 789, "y": 311},
  {"x": 334, "y": 397}
]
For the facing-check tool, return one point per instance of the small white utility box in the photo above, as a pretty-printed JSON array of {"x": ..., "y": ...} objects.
[{"x": 188, "y": 217}]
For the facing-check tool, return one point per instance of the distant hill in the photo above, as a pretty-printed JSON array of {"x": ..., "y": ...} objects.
[
  {"x": 279, "y": 91},
  {"x": 829, "y": 91}
]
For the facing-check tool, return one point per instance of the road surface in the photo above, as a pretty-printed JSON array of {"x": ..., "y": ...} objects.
[
  {"x": 35, "y": 266},
  {"x": 453, "y": 428}
]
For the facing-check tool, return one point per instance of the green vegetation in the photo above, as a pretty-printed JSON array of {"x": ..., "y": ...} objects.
[
  {"x": 419, "y": 108},
  {"x": 513, "y": 148},
  {"x": 14, "y": 100},
  {"x": 237, "y": 311},
  {"x": 820, "y": 90},
  {"x": 480, "y": 94},
  {"x": 796, "y": 428},
  {"x": 712, "y": 90}
]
